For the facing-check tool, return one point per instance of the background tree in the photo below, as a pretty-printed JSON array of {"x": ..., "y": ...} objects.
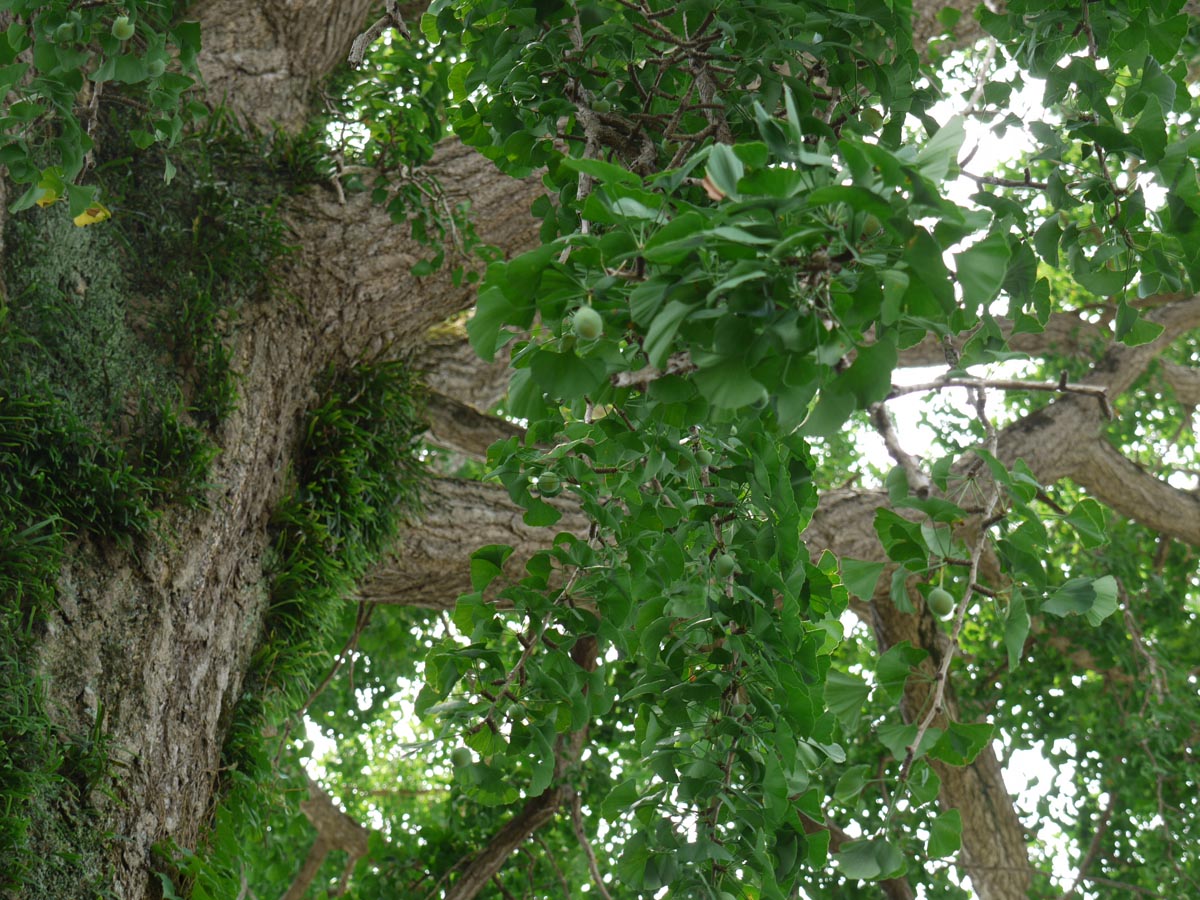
[{"x": 635, "y": 661}]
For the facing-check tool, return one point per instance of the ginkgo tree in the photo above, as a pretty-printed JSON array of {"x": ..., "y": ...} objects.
[{"x": 670, "y": 631}]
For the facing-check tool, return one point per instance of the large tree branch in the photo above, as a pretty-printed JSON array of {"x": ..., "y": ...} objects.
[
  {"x": 354, "y": 269},
  {"x": 451, "y": 367},
  {"x": 1065, "y": 333},
  {"x": 1122, "y": 365},
  {"x": 462, "y": 428},
  {"x": 1184, "y": 381},
  {"x": 263, "y": 60},
  {"x": 538, "y": 811},
  {"x": 335, "y": 831},
  {"x": 1126, "y": 487},
  {"x": 893, "y": 888},
  {"x": 994, "y": 851},
  {"x": 1065, "y": 440},
  {"x": 431, "y": 566}
]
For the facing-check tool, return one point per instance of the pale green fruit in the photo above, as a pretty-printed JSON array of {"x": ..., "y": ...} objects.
[
  {"x": 548, "y": 484},
  {"x": 122, "y": 28},
  {"x": 724, "y": 565},
  {"x": 941, "y": 602},
  {"x": 461, "y": 756},
  {"x": 587, "y": 323}
]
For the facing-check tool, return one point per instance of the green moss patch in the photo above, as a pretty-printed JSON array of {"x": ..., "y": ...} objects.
[{"x": 115, "y": 375}]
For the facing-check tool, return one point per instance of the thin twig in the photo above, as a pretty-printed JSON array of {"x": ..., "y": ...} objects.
[
  {"x": 562, "y": 879},
  {"x": 1139, "y": 644},
  {"x": 504, "y": 892},
  {"x": 1093, "y": 847},
  {"x": 392, "y": 18},
  {"x": 1062, "y": 386},
  {"x": 361, "y": 621},
  {"x": 1027, "y": 182},
  {"x": 918, "y": 480},
  {"x": 581, "y": 835},
  {"x": 677, "y": 364},
  {"x": 981, "y": 77},
  {"x": 979, "y": 400}
]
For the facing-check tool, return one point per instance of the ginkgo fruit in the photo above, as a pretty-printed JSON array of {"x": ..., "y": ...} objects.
[
  {"x": 548, "y": 484},
  {"x": 724, "y": 565},
  {"x": 122, "y": 28},
  {"x": 587, "y": 323},
  {"x": 941, "y": 602}
]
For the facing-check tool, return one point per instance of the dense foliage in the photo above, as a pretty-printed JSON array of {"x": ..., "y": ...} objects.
[
  {"x": 756, "y": 205},
  {"x": 747, "y": 223},
  {"x": 754, "y": 215}
]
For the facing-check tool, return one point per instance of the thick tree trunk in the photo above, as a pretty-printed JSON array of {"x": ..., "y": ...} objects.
[{"x": 161, "y": 642}]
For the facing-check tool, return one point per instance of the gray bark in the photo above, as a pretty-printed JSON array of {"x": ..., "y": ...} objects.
[{"x": 162, "y": 642}]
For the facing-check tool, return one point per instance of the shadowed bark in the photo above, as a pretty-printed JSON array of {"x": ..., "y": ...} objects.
[{"x": 431, "y": 565}]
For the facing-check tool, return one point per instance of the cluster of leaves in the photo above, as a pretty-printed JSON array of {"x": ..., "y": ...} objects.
[
  {"x": 56, "y": 60},
  {"x": 383, "y": 120},
  {"x": 752, "y": 294},
  {"x": 743, "y": 236}
]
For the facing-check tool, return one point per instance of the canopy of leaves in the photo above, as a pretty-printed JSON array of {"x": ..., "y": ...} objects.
[{"x": 755, "y": 199}]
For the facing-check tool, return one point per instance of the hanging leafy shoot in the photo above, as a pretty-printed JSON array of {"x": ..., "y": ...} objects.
[
  {"x": 749, "y": 220},
  {"x": 57, "y": 61}
]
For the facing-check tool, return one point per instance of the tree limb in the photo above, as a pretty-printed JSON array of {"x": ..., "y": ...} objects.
[
  {"x": 586, "y": 845},
  {"x": 462, "y": 428},
  {"x": 538, "y": 811},
  {"x": 1124, "y": 486},
  {"x": 335, "y": 831},
  {"x": 1184, "y": 381},
  {"x": 354, "y": 269},
  {"x": 1066, "y": 333},
  {"x": 431, "y": 566},
  {"x": 1007, "y": 384},
  {"x": 451, "y": 367},
  {"x": 893, "y": 888},
  {"x": 1093, "y": 847}
]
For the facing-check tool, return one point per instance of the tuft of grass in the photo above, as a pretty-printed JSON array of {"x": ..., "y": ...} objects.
[
  {"x": 114, "y": 374},
  {"x": 357, "y": 477}
]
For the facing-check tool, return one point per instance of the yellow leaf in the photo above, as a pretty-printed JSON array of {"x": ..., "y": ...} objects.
[
  {"x": 51, "y": 196},
  {"x": 93, "y": 214}
]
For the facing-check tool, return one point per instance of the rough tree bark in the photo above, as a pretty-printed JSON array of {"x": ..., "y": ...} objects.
[{"x": 162, "y": 642}]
